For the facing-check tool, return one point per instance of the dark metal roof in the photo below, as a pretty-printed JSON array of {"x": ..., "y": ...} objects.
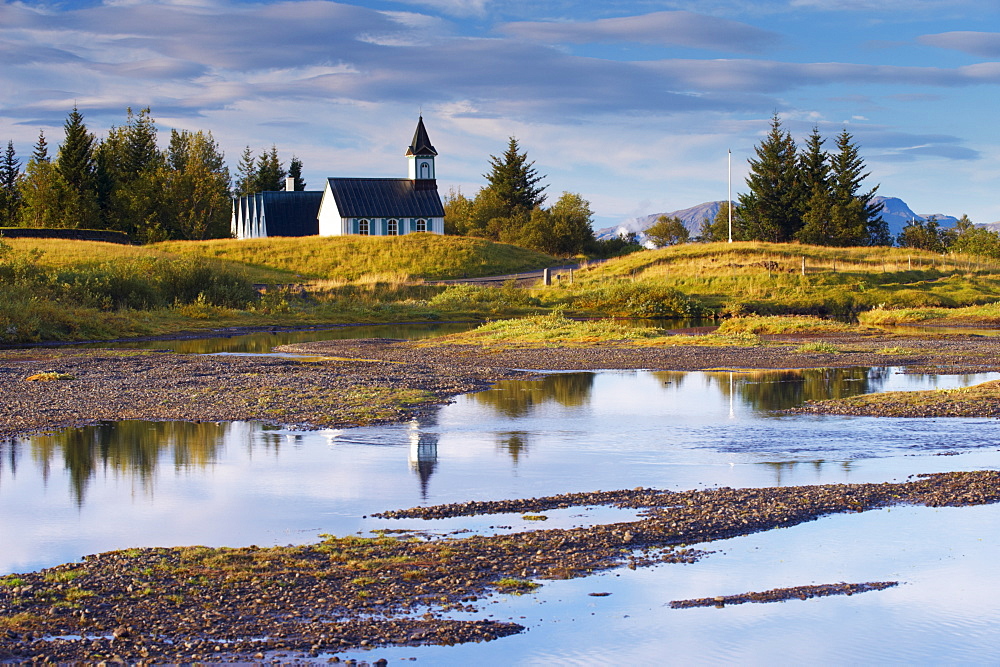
[
  {"x": 291, "y": 213},
  {"x": 386, "y": 198},
  {"x": 421, "y": 144}
]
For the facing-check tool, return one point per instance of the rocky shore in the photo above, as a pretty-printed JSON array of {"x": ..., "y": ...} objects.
[
  {"x": 197, "y": 604},
  {"x": 348, "y": 382}
]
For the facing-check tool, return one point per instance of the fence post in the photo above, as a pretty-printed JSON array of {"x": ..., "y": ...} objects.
[
  {"x": 546, "y": 277},
  {"x": 803, "y": 265}
]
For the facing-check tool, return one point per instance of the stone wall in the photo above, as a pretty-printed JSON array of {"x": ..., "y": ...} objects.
[{"x": 104, "y": 235}]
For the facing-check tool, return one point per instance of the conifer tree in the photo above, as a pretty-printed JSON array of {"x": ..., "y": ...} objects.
[
  {"x": 10, "y": 193},
  {"x": 515, "y": 181},
  {"x": 856, "y": 219},
  {"x": 40, "y": 153},
  {"x": 270, "y": 172},
  {"x": 77, "y": 166},
  {"x": 246, "y": 174},
  {"x": 128, "y": 177},
  {"x": 817, "y": 194},
  {"x": 771, "y": 210},
  {"x": 295, "y": 171}
]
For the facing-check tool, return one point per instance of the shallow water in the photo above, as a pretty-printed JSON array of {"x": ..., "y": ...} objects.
[
  {"x": 144, "y": 484},
  {"x": 263, "y": 342}
]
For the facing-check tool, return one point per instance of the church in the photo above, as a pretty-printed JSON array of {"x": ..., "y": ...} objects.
[{"x": 358, "y": 206}]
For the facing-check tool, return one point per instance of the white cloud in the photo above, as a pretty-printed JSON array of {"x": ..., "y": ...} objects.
[
  {"x": 677, "y": 28},
  {"x": 984, "y": 44}
]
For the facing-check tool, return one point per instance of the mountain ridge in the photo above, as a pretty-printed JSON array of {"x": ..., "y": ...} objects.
[{"x": 895, "y": 212}]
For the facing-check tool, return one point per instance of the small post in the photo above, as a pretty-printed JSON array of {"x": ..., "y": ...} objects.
[
  {"x": 803, "y": 265},
  {"x": 909, "y": 263},
  {"x": 571, "y": 276},
  {"x": 546, "y": 277}
]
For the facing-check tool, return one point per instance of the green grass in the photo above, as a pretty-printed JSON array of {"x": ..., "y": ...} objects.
[
  {"x": 791, "y": 324},
  {"x": 369, "y": 258},
  {"x": 767, "y": 278},
  {"x": 553, "y": 328},
  {"x": 80, "y": 290},
  {"x": 556, "y": 330},
  {"x": 984, "y": 314}
]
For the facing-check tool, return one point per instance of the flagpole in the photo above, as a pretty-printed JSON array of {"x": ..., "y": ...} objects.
[{"x": 729, "y": 202}]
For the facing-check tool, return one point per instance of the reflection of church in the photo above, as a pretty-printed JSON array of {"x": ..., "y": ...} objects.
[{"x": 422, "y": 455}]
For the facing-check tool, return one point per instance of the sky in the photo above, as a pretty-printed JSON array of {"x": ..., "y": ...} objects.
[{"x": 633, "y": 104}]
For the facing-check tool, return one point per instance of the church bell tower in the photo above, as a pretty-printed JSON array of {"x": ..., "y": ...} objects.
[{"x": 421, "y": 155}]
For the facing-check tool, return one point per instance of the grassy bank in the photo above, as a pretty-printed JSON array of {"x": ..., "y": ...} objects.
[
  {"x": 73, "y": 290},
  {"x": 977, "y": 401},
  {"x": 370, "y": 258},
  {"x": 768, "y": 278}
]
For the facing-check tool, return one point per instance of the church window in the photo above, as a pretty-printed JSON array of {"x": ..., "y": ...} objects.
[
  {"x": 363, "y": 227},
  {"x": 393, "y": 228},
  {"x": 421, "y": 225}
]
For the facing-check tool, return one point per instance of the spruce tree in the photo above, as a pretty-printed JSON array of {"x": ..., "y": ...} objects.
[
  {"x": 295, "y": 171},
  {"x": 857, "y": 220},
  {"x": 76, "y": 164},
  {"x": 10, "y": 194},
  {"x": 270, "y": 172},
  {"x": 40, "y": 152},
  {"x": 771, "y": 210},
  {"x": 246, "y": 174},
  {"x": 128, "y": 183},
  {"x": 817, "y": 199},
  {"x": 515, "y": 181}
]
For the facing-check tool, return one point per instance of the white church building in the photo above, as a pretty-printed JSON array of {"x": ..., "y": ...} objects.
[{"x": 358, "y": 206}]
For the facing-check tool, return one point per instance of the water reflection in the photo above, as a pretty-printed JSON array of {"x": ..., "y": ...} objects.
[
  {"x": 128, "y": 448},
  {"x": 514, "y": 444},
  {"x": 423, "y": 453},
  {"x": 766, "y": 391},
  {"x": 265, "y": 341},
  {"x": 518, "y": 398}
]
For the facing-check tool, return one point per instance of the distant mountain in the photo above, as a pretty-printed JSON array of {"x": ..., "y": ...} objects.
[
  {"x": 895, "y": 212},
  {"x": 691, "y": 217}
]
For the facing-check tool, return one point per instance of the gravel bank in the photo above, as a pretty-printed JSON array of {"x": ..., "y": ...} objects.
[{"x": 369, "y": 381}]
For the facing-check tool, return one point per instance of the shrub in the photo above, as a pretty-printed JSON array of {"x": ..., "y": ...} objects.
[{"x": 625, "y": 299}]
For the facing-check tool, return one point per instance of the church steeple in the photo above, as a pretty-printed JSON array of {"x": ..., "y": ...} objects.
[{"x": 420, "y": 154}]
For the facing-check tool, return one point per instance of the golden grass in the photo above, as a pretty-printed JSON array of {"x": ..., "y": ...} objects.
[
  {"x": 356, "y": 258},
  {"x": 555, "y": 330},
  {"x": 784, "y": 324},
  {"x": 984, "y": 314}
]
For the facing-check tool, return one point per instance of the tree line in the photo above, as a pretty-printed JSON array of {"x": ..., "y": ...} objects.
[
  {"x": 808, "y": 194},
  {"x": 509, "y": 209},
  {"x": 126, "y": 182}
]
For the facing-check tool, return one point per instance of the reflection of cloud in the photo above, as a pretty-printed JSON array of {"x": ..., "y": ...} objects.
[{"x": 678, "y": 28}]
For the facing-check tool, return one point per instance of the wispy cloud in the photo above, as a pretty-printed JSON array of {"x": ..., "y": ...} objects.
[
  {"x": 984, "y": 44},
  {"x": 671, "y": 29}
]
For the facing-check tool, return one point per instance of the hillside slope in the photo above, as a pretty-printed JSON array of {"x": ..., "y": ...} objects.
[{"x": 350, "y": 258}]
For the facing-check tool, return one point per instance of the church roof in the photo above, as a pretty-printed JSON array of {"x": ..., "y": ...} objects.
[
  {"x": 421, "y": 144},
  {"x": 386, "y": 198},
  {"x": 289, "y": 213}
]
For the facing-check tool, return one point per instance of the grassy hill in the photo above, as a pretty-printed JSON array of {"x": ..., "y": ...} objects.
[
  {"x": 768, "y": 278},
  {"x": 370, "y": 258}
]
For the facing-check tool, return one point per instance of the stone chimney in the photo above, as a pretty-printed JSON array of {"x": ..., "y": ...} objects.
[{"x": 290, "y": 184}]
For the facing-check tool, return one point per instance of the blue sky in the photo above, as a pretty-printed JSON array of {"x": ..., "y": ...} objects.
[{"x": 633, "y": 104}]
